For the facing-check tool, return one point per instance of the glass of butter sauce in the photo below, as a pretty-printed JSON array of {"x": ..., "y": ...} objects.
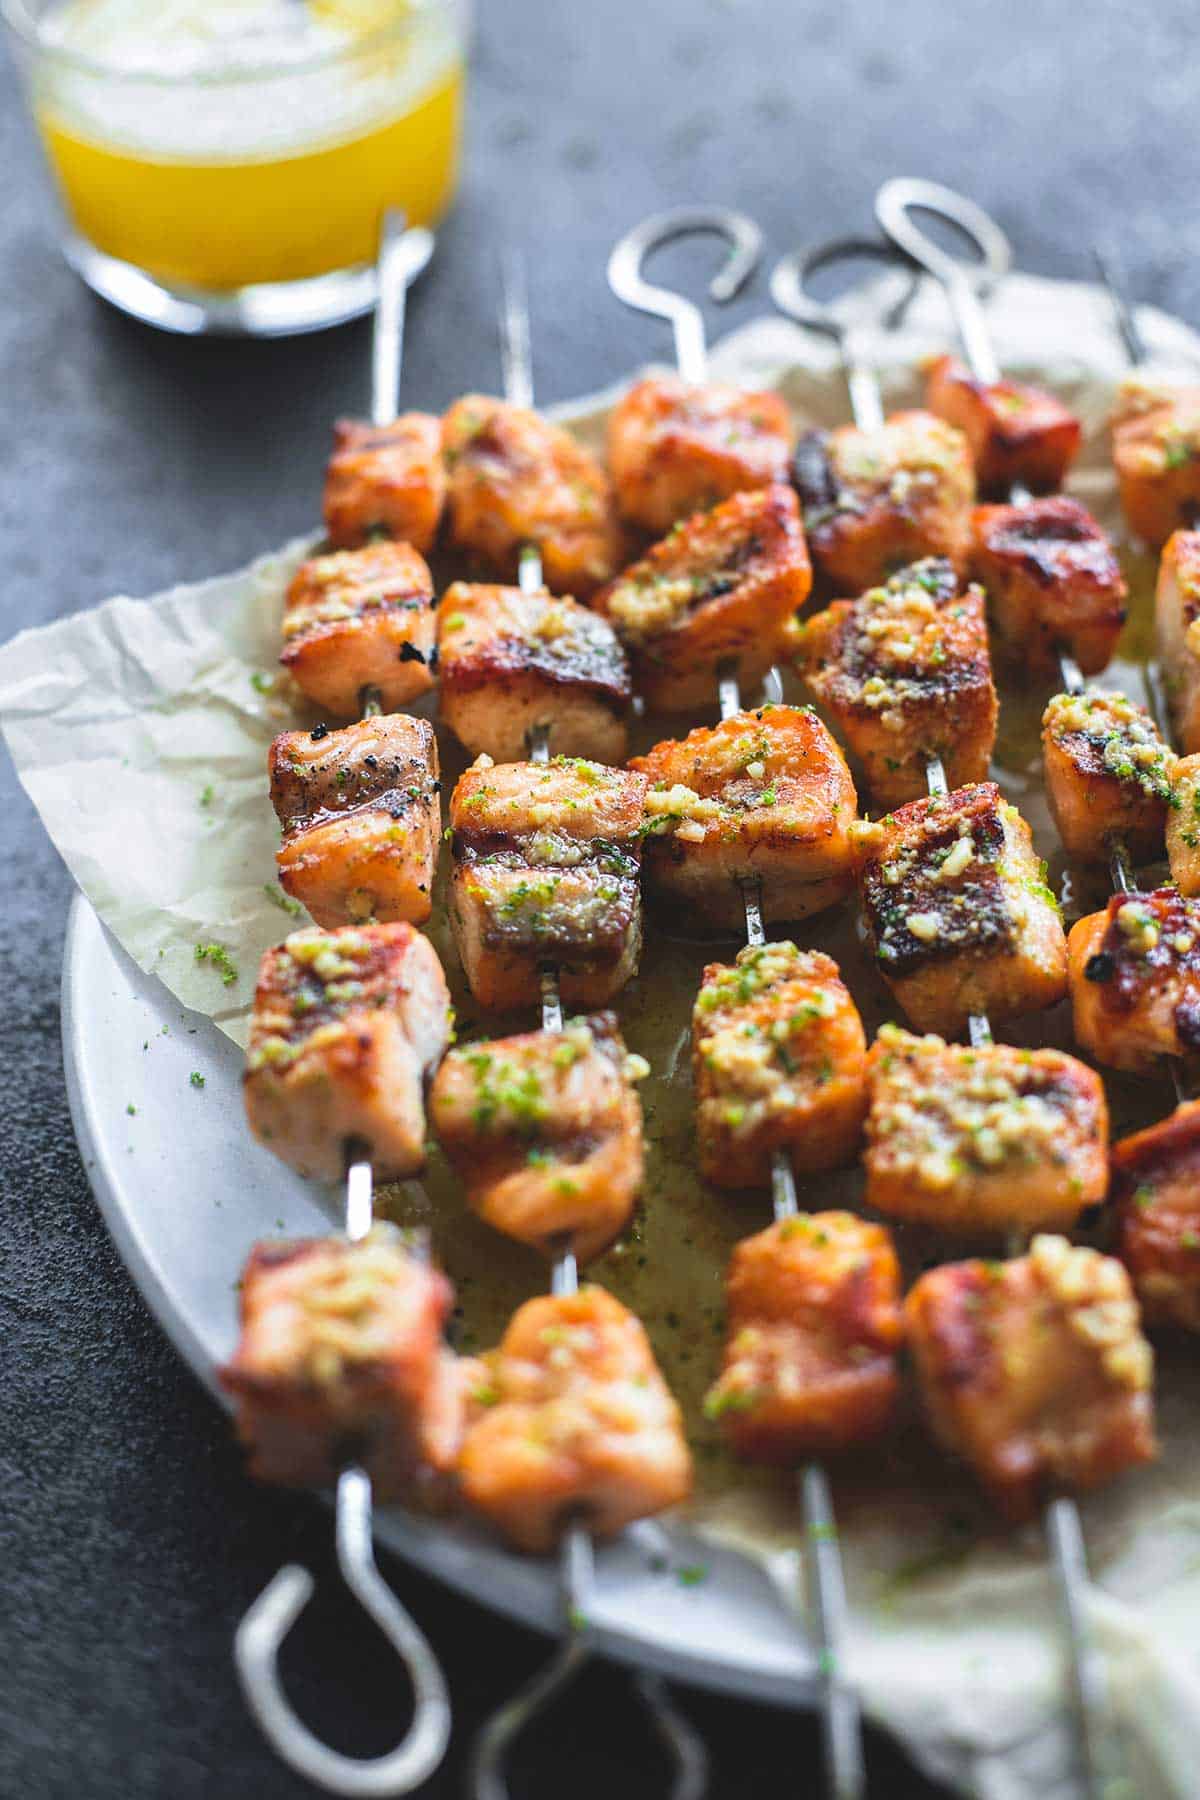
[{"x": 223, "y": 165}]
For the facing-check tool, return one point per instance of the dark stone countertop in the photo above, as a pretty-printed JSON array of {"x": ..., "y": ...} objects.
[{"x": 129, "y": 1539}]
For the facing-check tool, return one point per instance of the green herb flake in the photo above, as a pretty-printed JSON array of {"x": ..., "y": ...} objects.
[{"x": 221, "y": 961}]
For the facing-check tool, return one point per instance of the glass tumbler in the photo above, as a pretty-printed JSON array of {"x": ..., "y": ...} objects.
[{"x": 223, "y": 165}]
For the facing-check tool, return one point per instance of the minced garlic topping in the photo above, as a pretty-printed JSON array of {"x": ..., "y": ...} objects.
[
  {"x": 680, "y": 806},
  {"x": 1127, "y": 736},
  {"x": 1097, "y": 1299},
  {"x": 939, "y": 1111},
  {"x": 755, "y": 1036},
  {"x": 1138, "y": 926},
  {"x": 348, "y": 1304},
  {"x": 644, "y": 604}
]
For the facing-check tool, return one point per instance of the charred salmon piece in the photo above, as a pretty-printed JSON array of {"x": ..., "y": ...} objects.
[
  {"x": 1052, "y": 581},
  {"x": 385, "y": 479},
  {"x": 358, "y": 619},
  {"x": 1156, "y": 1190},
  {"x": 875, "y": 500},
  {"x": 1177, "y": 633},
  {"x": 764, "y": 795},
  {"x": 340, "y": 1359},
  {"x": 904, "y": 675},
  {"x": 1019, "y": 434},
  {"x": 1135, "y": 979},
  {"x": 515, "y": 479},
  {"x": 959, "y": 913},
  {"x": 361, "y": 816},
  {"x": 1034, "y": 1371},
  {"x": 675, "y": 448},
  {"x": 546, "y": 870},
  {"x": 510, "y": 662},
  {"x": 545, "y": 1130},
  {"x": 1183, "y": 825},
  {"x": 779, "y": 1063},
  {"x": 718, "y": 595},
  {"x": 814, "y": 1323},
  {"x": 1109, "y": 775},
  {"x": 1156, "y": 454},
  {"x": 982, "y": 1140},
  {"x": 573, "y": 1422},
  {"x": 346, "y": 1027}
]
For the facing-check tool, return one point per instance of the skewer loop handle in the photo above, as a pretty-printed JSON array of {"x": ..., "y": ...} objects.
[
  {"x": 486, "y": 1778},
  {"x": 789, "y": 291},
  {"x": 894, "y": 204},
  {"x": 628, "y": 283},
  {"x": 260, "y": 1637}
]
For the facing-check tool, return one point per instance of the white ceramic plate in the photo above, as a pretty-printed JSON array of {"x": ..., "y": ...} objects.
[{"x": 184, "y": 1189}]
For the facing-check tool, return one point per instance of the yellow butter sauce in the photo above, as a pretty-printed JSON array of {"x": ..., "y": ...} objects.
[{"x": 223, "y": 158}]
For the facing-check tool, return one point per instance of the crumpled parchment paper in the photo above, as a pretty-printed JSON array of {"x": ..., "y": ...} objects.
[{"x": 140, "y": 731}]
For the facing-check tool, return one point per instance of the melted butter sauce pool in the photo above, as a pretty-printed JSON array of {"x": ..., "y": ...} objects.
[{"x": 669, "y": 1267}]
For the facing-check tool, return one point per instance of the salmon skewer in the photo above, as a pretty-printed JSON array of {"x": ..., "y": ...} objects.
[
  {"x": 572, "y": 1432},
  {"x": 341, "y": 1372},
  {"x": 1031, "y": 931}
]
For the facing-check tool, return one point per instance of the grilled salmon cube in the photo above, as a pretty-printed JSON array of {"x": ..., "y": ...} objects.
[
  {"x": 356, "y": 619},
  {"x": 763, "y": 796},
  {"x": 982, "y": 1140},
  {"x": 510, "y": 662},
  {"x": 1035, "y": 1371},
  {"x": 959, "y": 912},
  {"x": 515, "y": 479},
  {"x": 345, "y": 1029},
  {"x": 1108, "y": 775},
  {"x": 1183, "y": 825},
  {"x": 1156, "y": 1187},
  {"x": 1019, "y": 435},
  {"x": 719, "y": 593},
  {"x": 361, "y": 818},
  {"x": 1156, "y": 454},
  {"x": 1135, "y": 979},
  {"x": 546, "y": 866},
  {"x": 574, "y": 1423},
  {"x": 340, "y": 1359},
  {"x": 814, "y": 1323},
  {"x": 1052, "y": 581},
  {"x": 904, "y": 674},
  {"x": 675, "y": 448},
  {"x": 385, "y": 479},
  {"x": 779, "y": 1063},
  {"x": 876, "y": 500},
  {"x": 1177, "y": 632},
  {"x": 545, "y": 1131}
]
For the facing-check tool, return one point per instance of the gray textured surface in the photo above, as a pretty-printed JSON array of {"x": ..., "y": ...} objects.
[{"x": 129, "y": 1540}]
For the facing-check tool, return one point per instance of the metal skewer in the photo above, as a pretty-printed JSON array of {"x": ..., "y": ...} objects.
[
  {"x": 577, "y": 1563},
  {"x": 841, "y": 1718},
  {"x": 262, "y": 1631},
  {"x": 1063, "y": 1525},
  {"x": 1135, "y": 347}
]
